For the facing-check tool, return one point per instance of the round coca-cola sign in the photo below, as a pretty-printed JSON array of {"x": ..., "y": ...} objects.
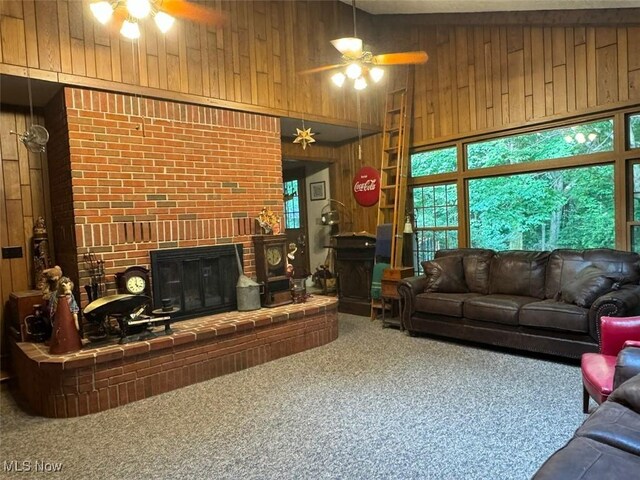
[{"x": 366, "y": 186}]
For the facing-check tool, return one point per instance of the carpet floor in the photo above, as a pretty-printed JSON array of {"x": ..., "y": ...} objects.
[{"x": 374, "y": 404}]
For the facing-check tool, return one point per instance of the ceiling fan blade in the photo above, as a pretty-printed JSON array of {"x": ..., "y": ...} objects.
[
  {"x": 348, "y": 46},
  {"x": 193, "y": 11},
  {"x": 401, "y": 58},
  {"x": 320, "y": 69}
]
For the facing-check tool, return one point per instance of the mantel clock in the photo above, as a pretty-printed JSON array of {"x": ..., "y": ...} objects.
[
  {"x": 134, "y": 280},
  {"x": 271, "y": 268}
]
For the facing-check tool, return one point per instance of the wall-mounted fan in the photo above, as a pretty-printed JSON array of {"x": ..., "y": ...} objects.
[
  {"x": 35, "y": 138},
  {"x": 363, "y": 66}
]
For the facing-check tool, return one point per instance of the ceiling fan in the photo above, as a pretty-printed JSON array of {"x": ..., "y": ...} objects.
[
  {"x": 164, "y": 12},
  {"x": 361, "y": 65}
]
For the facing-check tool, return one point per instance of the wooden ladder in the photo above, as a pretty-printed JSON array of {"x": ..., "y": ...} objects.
[{"x": 394, "y": 169}]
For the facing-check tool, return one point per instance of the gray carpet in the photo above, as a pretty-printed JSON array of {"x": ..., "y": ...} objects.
[{"x": 373, "y": 404}]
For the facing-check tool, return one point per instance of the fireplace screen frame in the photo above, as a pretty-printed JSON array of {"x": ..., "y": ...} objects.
[{"x": 199, "y": 280}]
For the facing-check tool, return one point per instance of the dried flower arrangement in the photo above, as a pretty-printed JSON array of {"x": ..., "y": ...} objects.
[{"x": 269, "y": 221}]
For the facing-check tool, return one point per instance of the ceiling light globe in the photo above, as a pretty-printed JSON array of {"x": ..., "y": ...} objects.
[
  {"x": 102, "y": 11},
  {"x": 592, "y": 136},
  {"x": 130, "y": 30},
  {"x": 360, "y": 84},
  {"x": 338, "y": 79},
  {"x": 164, "y": 21},
  {"x": 139, "y": 8},
  {"x": 568, "y": 138},
  {"x": 376, "y": 74},
  {"x": 580, "y": 138},
  {"x": 353, "y": 71}
]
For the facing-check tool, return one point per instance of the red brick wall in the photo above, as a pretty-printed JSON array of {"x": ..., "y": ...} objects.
[{"x": 150, "y": 174}]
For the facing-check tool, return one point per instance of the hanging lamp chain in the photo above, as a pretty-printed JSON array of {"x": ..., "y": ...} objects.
[
  {"x": 353, "y": 7},
  {"x": 30, "y": 95}
]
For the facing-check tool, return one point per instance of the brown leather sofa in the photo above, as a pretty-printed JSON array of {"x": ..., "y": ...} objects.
[
  {"x": 607, "y": 444},
  {"x": 539, "y": 301}
]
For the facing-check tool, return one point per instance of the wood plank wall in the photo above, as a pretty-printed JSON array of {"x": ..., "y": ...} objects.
[
  {"x": 24, "y": 194},
  {"x": 249, "y": 64},
  {"x": 491, "y": 77}
]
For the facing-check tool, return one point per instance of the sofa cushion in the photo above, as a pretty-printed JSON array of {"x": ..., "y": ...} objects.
[
  {"x": 476, "y": 263},
  {"x": 615, "y": 425},
  {"x": 589, "y": 284},
  {"x": 438, "y": 303},
  {"x": 445, "y": 274},
  {"x": 518, "y": 272},
  {"x": 495, "y": 308},
  {"x": 555, "y": 315},
  {"x": 564, "y": 265}
]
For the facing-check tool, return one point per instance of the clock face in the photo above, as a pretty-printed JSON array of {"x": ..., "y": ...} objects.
[
  {"x": 274, "y": 256},
  {"x": 136, "y": 284}
]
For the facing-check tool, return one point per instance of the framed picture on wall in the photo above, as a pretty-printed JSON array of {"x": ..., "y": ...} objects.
[{"x": 317, "y": 191}]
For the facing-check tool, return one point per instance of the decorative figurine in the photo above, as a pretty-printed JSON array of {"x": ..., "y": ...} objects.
[
  {"x": 40, "y": 250},
  {"x": 48, "y": 283},
  {"x": 65, "y": 337}
]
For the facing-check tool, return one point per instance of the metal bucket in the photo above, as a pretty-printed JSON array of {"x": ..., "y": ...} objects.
[{"x": 248, "y": 294}]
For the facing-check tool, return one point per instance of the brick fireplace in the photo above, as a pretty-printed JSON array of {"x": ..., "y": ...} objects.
[{"x": 130, "y": 175}]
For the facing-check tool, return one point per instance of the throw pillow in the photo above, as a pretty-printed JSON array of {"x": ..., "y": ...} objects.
[
  {"x": 445, "y": 274},
  {"x": 589, "y": 284}
]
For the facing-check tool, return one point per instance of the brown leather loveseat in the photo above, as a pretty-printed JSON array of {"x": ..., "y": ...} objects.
[{"x": 540, "y": 301}]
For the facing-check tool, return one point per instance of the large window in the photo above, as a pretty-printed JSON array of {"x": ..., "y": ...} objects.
[
  {"x": 561, "y": 186},
  {"x": 560, "y": 142},
  {"x": 572, "y": 208},
  {"x": 436, "y": 219}
]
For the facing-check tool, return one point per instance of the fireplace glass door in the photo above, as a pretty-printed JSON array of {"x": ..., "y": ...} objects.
[{"x": 199, "y": 280}]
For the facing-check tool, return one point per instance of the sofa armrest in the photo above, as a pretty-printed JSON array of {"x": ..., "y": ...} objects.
[
  {"x": 408, "y": 288},
  {"x": 627, "y": 365},
  {"x": 628, "y": 394},
  {"x": 623, "y": 302}
]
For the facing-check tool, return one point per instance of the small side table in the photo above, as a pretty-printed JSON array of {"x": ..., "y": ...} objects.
[{"x": 390, "y": 297}]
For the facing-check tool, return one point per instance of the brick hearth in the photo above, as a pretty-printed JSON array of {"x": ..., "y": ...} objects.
[{"x": 96, "y": 379}]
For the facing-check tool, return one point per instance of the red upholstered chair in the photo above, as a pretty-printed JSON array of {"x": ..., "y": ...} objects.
[{"x": 598, "y": 369}]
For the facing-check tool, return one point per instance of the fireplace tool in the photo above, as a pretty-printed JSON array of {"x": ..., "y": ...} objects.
[
  {"x": 247, "y": 291},
  {"x": 128, "y": 311},
  {"x": 95, "y": 268}
]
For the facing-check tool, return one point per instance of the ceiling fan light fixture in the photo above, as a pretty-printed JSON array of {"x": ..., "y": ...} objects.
[
  {"x": 360, "y": 83},
  {"x": 338, "y": 79},
  {"x": 163, "y": 21},
  {"x": 102, "y": 11},
  {"x": 349, "y": 46},
  {"x": 353, "y": 71},
  {"x": 130, "y": 30},
  {"x": 376, "y": 74},
  {"x": 139, "y": 8}
]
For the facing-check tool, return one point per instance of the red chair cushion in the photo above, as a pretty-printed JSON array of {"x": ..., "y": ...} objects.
[{"x": 597, "y": 375}]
